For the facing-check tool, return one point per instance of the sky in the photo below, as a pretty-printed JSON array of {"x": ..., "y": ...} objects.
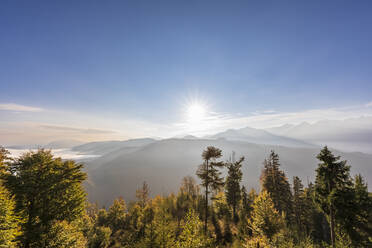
[{"x": 100, "y": 70}]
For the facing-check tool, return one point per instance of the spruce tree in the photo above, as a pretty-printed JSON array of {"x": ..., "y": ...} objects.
[
  {"x": 332, "y": 183},
  {"x": 355, "y": 218},
  {"x": 210, "y": 175},
  {"x": 233, "y": 191},
  {"x": 275, "y": 182},
  {"x": 299, "y": 206},
  {"x": 46, "y": 189}
]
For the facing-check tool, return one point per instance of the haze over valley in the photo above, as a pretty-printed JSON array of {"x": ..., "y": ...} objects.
[{"x": 117, "y": 168}]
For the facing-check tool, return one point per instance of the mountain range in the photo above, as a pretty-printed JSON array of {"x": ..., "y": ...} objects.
[
  {"x": 118, "y": 168},
  {"x": 124, "y": 165}
]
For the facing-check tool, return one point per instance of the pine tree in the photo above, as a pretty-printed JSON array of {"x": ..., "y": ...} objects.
[
  {"x": 233, "y": 191},
  {"x": 331, "y": 184},
  {"x": 275, "y": 182},
  {"x": 210, "y": 175},
  {"x": 46, "y": 189}
]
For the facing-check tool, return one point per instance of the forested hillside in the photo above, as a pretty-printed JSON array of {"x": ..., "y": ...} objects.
[
  {"x": 43, "y": 204},
  {"x": 163, "y": 164}
]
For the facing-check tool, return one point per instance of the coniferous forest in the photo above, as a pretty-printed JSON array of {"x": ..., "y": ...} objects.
[{"x": 43, "y": 204}]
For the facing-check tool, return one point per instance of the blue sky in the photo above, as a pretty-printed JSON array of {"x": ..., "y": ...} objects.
[{"x": 142, "y": 61}]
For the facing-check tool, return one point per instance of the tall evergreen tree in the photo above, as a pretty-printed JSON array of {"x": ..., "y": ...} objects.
[
  {"x": 299, "y": 206},
  {"x": 210, "y": 175},
  {"x": 332, "y": 182},
  {"x": 142, "y": 194},
  {"x": 275, "y": 182},
  {"x": 316, "y": 225},
  {"x": 233, "y": 191},
  {"x": 46, "y": 189},
  {"x": 356, "y": 218}
]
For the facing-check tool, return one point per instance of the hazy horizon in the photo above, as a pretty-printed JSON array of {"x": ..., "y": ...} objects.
[{"x": 93, "y": 72}]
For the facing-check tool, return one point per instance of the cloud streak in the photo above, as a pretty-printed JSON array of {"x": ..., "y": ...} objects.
[
  {"x": 48, "y": 125},
  {"x": 78, "y": 130},
  {"x": 217, "y": 122},
  {"x": 19, "y": 108}
]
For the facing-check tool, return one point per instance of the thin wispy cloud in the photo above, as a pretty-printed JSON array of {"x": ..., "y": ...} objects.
[
  {"x": 79, "y": 130},
  {"x": 217, "y": 122},
  {"x": 19, "y": 108},
  {"x": 369, "y": 104},
  {"x": 70, "y": 125}
]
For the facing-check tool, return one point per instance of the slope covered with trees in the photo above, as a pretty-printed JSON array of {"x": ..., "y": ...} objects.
[{"x": 43, "y": 204}]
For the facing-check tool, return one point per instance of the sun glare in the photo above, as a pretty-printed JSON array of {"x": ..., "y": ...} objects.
[{"x": 196, "y": 112}]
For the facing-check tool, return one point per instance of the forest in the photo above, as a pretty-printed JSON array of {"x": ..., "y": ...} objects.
[{"x": 43, "y": 203}]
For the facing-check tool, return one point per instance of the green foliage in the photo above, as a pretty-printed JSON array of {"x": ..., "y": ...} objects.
[
  {"x": 266, "y": 221},
  {"x": 300, "y": 210},
  {"x": 355, "y": 220},
  {"x": 233, "y": 191},
  {"x": 45, "y": 189},
  {"x": 8, "y": 220},
  {"x": 210, "y": 175},
  {"x": 191, "y": 235},
  {"x": 4, "y": 157},
  {"x": 61, "y": 234},
  {"x": 275, "y": 182},
  {"x": 42, "y": 205},
  {"x": 164, "y": 228},
  {"x": 117, "y": 214},
  {"x": 333, "y": 188},
  {"x": 100, "y": 237},
  {"x": 316, "y": 225}
]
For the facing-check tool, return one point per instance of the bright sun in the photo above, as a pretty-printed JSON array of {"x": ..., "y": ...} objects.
[{"x": 196, "y": 112}]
